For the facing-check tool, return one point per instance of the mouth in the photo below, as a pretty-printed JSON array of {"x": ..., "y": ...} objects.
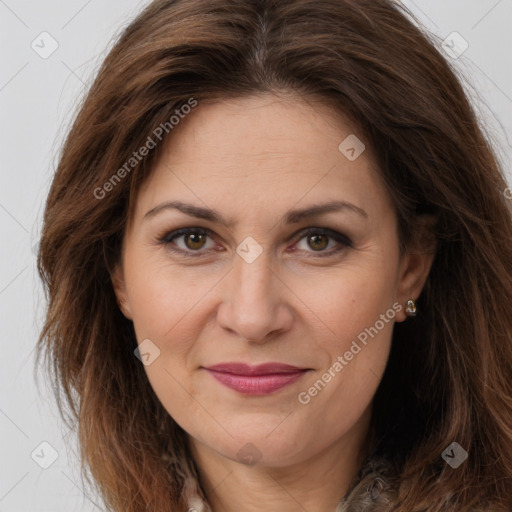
[{"x": 256, "y": 380}]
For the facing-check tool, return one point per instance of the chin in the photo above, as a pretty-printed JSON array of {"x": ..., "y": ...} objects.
[{"x": 262, "y": 445}]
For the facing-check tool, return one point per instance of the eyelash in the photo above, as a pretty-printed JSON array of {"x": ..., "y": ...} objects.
[{"x": 168, "y": 237}]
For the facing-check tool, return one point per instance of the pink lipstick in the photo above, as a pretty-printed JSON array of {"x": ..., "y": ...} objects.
[{"x": 256, "y": 380}]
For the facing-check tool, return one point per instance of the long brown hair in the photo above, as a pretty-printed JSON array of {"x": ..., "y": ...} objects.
[{"x": 449, "y": 377}]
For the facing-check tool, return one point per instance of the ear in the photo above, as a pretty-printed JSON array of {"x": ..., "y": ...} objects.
[
  {"x": 416, "y": 263},
  {"x": 118, "y": 282}
]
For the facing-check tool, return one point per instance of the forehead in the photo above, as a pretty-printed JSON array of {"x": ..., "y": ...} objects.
[{"x": 264, "y": 150}]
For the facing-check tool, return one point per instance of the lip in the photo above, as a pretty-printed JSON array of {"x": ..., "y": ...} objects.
[{"x": 256, "y": 380}]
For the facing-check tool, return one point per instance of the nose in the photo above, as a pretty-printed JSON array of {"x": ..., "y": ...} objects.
[{"x": 254, "y": 302}]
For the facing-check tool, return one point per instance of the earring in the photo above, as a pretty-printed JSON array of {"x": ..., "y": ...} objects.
[{"x": 411, "y": 308}]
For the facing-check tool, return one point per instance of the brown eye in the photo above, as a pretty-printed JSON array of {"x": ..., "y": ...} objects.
[
  {"x": 318, "y": 242},
  {"x": 194, "y": 241},
  {"x": 325, "y": 242},
  {"x": 188, "y": 241}
]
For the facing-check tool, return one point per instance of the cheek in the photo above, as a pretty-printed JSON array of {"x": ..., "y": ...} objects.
[
  {"x": 354, "y": 317},
  {"x": 167, "y": 303},
  {"x": 163, "y": 296},
  {"x": 336, "y": 397},
  {"x": 344, "y": 302},
  {"x": 168, "y": 307}
]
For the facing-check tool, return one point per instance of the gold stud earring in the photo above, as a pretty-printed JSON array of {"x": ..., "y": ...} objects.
[{"x": 411, "y": 308}]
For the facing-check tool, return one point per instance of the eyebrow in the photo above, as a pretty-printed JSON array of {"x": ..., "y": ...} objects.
[{"x": 291, "y": 217}]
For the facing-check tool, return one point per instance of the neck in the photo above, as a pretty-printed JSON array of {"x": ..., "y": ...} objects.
[{"x": 317, "y": 484}]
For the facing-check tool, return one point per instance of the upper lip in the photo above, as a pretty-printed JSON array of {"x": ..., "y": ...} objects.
[{"x": 260, "y": 369}]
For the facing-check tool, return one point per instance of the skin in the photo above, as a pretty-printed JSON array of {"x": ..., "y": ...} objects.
[{"x": 252, "y": 160}]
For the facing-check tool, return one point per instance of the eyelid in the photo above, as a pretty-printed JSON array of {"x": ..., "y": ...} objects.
[
  {"x": 343, "y": 241},
  {"x": 331, "y": 233},
  {"x": 166, "y": 238}
]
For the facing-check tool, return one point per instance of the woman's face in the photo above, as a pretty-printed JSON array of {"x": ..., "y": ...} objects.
[{"x": 248, "y": 284}]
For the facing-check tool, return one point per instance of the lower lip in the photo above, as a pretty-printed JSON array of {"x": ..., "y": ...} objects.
[{"x": 257, "y": 384}]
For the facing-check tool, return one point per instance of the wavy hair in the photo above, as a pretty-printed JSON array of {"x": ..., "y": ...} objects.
[{"x": 449, "y": 375}]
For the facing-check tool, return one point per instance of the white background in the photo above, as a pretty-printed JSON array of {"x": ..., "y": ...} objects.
[{"x": 37, "y": 100}]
